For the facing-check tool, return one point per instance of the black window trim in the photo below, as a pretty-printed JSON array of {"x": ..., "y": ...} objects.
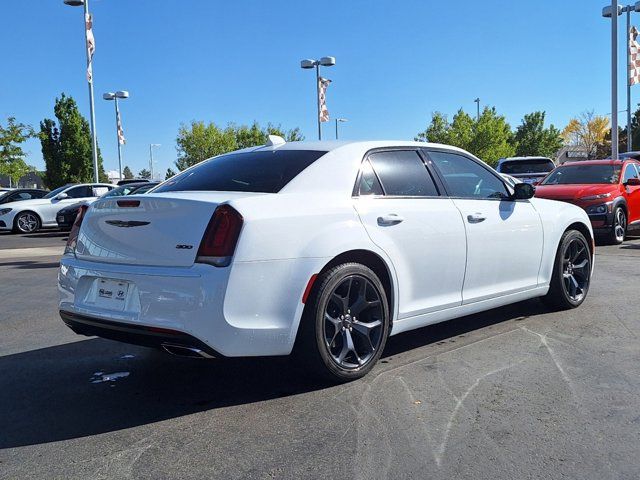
[
  {"x": 509, "y": 190},
  {"x": 436, "y": 181}
]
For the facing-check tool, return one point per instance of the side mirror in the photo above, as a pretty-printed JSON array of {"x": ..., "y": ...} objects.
[
  {"x": 61, "y": 196},
  {"x": 633, "y": 182},
  {"x": 523, "y": 191}
]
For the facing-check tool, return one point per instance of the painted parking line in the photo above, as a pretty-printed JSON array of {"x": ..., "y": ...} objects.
[{"x": 31, "y": 252}]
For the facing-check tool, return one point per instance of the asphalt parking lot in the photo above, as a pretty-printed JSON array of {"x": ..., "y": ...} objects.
[{"x": 517, "y": 392}]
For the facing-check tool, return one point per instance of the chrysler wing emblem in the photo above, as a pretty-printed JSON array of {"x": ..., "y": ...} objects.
[{"x": 126, "y": 224}]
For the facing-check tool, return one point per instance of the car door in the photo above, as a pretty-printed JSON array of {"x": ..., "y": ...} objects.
[
  {"x": 74, "y": 195},
  {"x": 632, "y": 195},
  {"x": 504, "y": 236},
  {"x": 422, "y": 232}
]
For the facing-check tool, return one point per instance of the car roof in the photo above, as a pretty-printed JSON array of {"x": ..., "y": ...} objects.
[{"x": 605, "y": 161}]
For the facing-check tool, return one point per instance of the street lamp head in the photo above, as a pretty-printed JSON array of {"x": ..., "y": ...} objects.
[
  {"x": 606, "y": 11},
  {"x": 328, "y": 61},
  {"x": 122, "y": 94},
  {"x": 308, "y": 63},
  {"x": 341, "y": 120},
  {"x": 109, "y": 96},
  {"x": 636, "y": 7},
  {"x": 74, "y": 3}
]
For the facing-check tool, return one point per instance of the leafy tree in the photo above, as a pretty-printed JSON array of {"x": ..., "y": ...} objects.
[
  {"x": 127, "y": 173},
  {"x": 66, "y": 146},
  {"x": 170, "y": 173},
  {"x": 198, "y": 141},
  {"x": 144, "y": 173},
  {"x": 586, "y": 131},
  {"x": 489, "y": 137},
  {"x": 12, "y": 156},
  {"x": 531, "y": 138}
]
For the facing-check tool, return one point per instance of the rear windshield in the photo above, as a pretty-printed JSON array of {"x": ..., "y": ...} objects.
[
  {"x": 263, "y": 172},
  {"x": 581, "y": 174},
  {"x": 541, "y": 165}
]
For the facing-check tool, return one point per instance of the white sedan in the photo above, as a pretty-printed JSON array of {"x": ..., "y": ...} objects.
[
  {"x": 28, "y": 216},
  {"x": 318, "y": 249}
]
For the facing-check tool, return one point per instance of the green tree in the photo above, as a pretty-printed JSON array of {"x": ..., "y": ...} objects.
[
  {"x": 199, "y": 141},
  {"x": 12, "y": 155},
  {"x": 489, "y": 138},
  {"x": 170, "y": 173},
  {"x": 532, "y": 138},
  {"x": 127, "y": 173},
  {"x": 144, "y": 173},
  {"x": 66, "y": 146}
]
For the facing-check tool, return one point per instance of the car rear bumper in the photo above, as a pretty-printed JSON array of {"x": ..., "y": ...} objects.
[{"x": 247, "y": 309}]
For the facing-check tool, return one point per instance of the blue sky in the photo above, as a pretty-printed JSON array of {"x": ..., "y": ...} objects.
[{"x": 238, "y": 61}]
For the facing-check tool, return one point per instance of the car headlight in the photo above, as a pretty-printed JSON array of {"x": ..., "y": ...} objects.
[
  {"x": 4, "y": 211},
  {"x": 597, "y": 209},
  {"x": 596, "y": 197}
]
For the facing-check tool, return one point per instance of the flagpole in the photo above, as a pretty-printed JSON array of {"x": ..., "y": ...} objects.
[
  {"x": 118, "y": 136},
  {"x": 614, "y": 79},
  {"x": 629, "y": 133},
  {"x": 94, "y": 141}
]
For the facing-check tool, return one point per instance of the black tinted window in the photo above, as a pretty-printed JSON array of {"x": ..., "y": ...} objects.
[
  {"x": 369, "y": 184},
  {"x": 466, "y": 178},
  {"x": 266, "y": 172},
  {"x": 535, "y": 165},
  {"x": 402, "y": 173},
  {"x": 583, "y": 174},
  {"x": 80, "y": 192}
]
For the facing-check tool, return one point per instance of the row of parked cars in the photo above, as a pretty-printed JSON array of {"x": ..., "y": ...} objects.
[
  {"x": 28, "y": 210},
  {"x": 608, "y": 190}
]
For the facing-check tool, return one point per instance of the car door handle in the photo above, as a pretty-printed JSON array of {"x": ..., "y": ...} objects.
[
  {"x": 476, "y": 218},
  {"x": 389, "y": 219}
]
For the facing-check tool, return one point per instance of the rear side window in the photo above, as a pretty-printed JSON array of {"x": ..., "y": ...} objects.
[
  {"x": 402, "y": 173},
  {"x": 263, "y": 172},
  {"x": 535, "y": 165},
  {"x": 369, "y": 184}
]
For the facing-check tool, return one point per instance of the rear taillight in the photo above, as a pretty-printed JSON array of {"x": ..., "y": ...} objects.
[
  {"x": 220, "y": 237},
  {"x": 75, "y": 230}
]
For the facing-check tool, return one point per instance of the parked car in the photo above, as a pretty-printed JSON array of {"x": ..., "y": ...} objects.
[
  {"x": 526, "y": 169},
  {"x": 28, "y": 216},
  {"x": 67, "y": 215},
  {"x": 608, "y": 190},
  {"x": 17, "y": 195},
  {"x": 320, "y": 249},
  {"x": 629, "y": 155},
  {"x": 126, "y": 181}
]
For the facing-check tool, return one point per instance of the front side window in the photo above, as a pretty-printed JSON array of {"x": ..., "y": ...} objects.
[
  {"x": 466, "y": 178},
  {"x": 259, "y": 171},
  {"x": 80, "y": 192},
  {"x": 576, "y": 174},
  {"x": 630, "y": 172},
  {"x": 402, "y": 173}
]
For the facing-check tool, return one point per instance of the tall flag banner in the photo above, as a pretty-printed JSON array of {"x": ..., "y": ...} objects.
[
  {"x": 91, "y": 45},
  {"x": 121, "y": 139},
  {"x": 323, "y": 83},
  {"x": 634, "y": 57}
]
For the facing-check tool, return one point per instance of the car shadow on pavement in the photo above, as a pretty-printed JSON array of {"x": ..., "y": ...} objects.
[
  {"x": 30, "y": 264},
  {"x": 96, "y": 386}
]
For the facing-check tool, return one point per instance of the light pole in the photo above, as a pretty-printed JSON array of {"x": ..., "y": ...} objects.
[
  {"x": 151, "y": 146},
  {"x": 309, "y": 63},
  {"x": 94, "y": 142},
  {"x": 477, "y": 101},
  {"x": 606, "y": 12},
  {"x": 115, "y": 96},
  {"x": 341, "y": 120}
]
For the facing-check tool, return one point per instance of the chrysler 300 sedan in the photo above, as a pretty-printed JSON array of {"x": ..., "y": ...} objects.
[{"x": 321, "y": 250}]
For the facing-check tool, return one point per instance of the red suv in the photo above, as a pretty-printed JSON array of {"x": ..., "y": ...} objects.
[{"x": 609, "y": 191}]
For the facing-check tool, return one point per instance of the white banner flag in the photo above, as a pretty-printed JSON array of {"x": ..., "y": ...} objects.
[
  {"x": 323, "y": 83},
  {"x": 91, "y": 45}
]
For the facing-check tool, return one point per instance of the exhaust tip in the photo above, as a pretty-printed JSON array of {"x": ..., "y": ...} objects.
[{"x": 185, "y": 351}]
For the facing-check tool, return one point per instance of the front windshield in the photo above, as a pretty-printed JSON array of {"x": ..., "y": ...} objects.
[
  {"x": 583, "y": 174},
  {"x": 53, "y": 193}
]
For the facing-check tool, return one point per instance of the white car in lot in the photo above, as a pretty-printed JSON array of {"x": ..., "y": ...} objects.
[
  {"x": 28, "y": 216},
  {"x": 320, "y": 249}
]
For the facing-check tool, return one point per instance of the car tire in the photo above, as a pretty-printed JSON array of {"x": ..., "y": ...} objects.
[
  {"x": 571, "y": 276},
  {"x": 26, "y": 222},
  {"x": 345, "y": 324},
  {"x": 619, "y": 228}
]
